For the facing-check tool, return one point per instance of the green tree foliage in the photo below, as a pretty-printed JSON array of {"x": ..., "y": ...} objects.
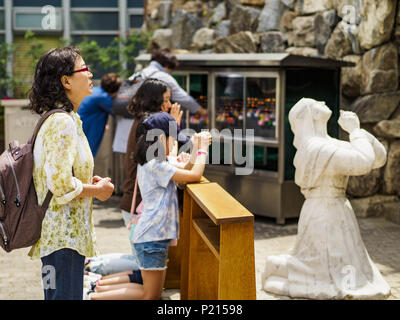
[
  {"x": 36, "y": 48},
  {"x": 118, "y": 57},
  {"x": 6, "y": 79}
]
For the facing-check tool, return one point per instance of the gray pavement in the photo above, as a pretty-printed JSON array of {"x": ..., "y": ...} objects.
[{"x": 20, "y": 277}]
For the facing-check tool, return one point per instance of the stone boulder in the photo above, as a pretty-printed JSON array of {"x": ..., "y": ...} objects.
[
  {"x": 397, "y": 28},
  {"x": 272, "y": 42},
  {"x": 241, "y": 42},
  {"x": 376, "y": 107},
  {"x": 313, "y": 6},
  {"x": 323, "y": 26},
  {"x": 377, "y": 23},
  {"x": 365, "y": 185},
  {"x": 163, "y": 37},
  {"x": 392, "y": 169},
  {"x": 388, "y": 129},
  {"x": 203, "y": 39},
  {"x": 152, "y": 6},
  {"x": 349, "y": 10},
  {"x": 243, "y": 19},
  {"x": 303, "y": 31},
  {"x": 219, "y": 14},
  {"x": 339, "y": 44},
  {"x": 307, "y": 52},
  {"x": 164, "y": 13},
  {"x": 184, "y": 25},
  {"x": 194, "y": 7},
  {"x": 392, "y": 212},
  {"x": 287, "y": 20},
  {"x": 289, "y": 3},
  {"x": 351, "y": 77},
  {"x": 271, "y": 15},
  {"x": 258, "y": 3},
  {"x": 230, "y": 4},
  {"x": 380, "y": 70},
  {"x": 222, "y": 28},
  {"x": 374, "y": 206}
]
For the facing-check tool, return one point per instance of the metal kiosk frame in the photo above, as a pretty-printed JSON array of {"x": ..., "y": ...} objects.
[{"x": 263, "y": 192}]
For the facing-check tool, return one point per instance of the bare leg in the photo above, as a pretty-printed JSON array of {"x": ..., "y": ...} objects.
[
  {"x": 116, "y": 274},
  {"x": 127, "y": 293},
  {"x": 119, "y": 286},
  {"x": 113, "y": 281},
  {"x": 153, "y": 283}
]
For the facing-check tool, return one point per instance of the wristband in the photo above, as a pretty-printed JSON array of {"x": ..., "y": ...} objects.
[{"x": 201, "y": 152}]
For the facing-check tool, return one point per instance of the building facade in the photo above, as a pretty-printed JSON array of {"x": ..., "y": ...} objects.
[{"x": 73, "y": 21}]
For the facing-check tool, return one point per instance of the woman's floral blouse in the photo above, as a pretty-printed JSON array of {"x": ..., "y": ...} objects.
[{"x": 60, "y": 146}]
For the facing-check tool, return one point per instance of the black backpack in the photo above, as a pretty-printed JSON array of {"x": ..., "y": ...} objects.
[
  {"x": 125, "y": 93},
  {"x": 20, "y": 215}
]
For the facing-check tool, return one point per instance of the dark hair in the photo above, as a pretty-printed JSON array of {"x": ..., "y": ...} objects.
[
  {"x": 142, "y": 145},
  {"x": 165, "y": 58},
  {"x": 111, "y": 82},
  {"x": 148, "y": 98},
  {"x": 47, "y": 91}
]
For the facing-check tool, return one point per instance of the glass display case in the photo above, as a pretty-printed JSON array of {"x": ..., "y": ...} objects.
[
  {"x": 197, "y": 86},
  {"x": 248, "y": 98}
]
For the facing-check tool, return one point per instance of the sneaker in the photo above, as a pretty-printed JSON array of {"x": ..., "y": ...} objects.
[
  {"x": 93, "y": 285},
  {"x": 86, "y": 294}
]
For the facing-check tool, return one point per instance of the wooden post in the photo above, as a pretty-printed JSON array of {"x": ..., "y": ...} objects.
[{"x": 237, "y": 280}]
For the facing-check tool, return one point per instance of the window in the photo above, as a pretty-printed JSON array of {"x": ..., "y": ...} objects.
[
  {"x": 261, "y": 106},
  {"x": 135, "y": 4},
  {"x": 2, "y": 25},
  {"x": 32, "y": 18},
  {"x": 136, "y": 21},
  {"x": 94, "y": 21},
  {"x": 36, "y": 3},
  {"x": 102, "y": 40},
  {"x": 94, "y": 4}
]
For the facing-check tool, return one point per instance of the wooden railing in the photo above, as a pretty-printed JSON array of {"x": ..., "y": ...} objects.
[{"x": 214, "y": 259}]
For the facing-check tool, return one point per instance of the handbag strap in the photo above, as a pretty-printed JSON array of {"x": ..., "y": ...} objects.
[
  {"x": 32, "y": 140},
  {"x": 133, "y": 205}
]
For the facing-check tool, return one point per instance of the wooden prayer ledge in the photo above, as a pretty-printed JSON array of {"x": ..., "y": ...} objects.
[{"x": 214, "y": 259}]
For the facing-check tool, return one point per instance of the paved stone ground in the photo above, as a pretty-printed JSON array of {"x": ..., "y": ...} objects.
[{"x": 20, "y": 277}]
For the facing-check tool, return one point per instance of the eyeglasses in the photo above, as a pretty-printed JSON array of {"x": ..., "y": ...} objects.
[{"x": 82, "y": 70}]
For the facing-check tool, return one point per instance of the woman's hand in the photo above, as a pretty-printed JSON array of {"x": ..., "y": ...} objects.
[
  {"x": 104, "y": 189},
  {"x": 201, "y": 140},
  {"x": 176, "y": 112},
  {"x": 348, "y": 121},
  {"x": 205, "y": 140},
  {"x": 96, "y": 179}
]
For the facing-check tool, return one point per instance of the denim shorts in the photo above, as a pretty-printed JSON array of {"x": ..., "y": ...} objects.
[{"x": 152, "y": 255}]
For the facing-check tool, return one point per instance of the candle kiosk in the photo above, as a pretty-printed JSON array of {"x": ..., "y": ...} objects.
[{"x": 248, "y": 98}]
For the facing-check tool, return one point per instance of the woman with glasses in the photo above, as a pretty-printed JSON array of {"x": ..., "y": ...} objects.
[{"x": 63, "y": 165}]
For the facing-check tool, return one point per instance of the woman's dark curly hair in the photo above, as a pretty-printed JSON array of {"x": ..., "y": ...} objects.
[
  {"x": 165, "y": 57},
  {"x": 148, "y": 98},
  {"x": 47, "y": 91}
]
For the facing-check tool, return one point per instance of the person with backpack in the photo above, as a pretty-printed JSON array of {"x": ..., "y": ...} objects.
[
  {"x": 94, "y": 109},
  {"x": 63, "y": 165},
  {"x": 162, "y": 64}
]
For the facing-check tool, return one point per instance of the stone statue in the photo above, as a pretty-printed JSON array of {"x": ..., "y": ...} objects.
[{"x": 329, "y": 259}]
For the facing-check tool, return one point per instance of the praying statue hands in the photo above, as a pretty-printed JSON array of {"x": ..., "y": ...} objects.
[{"x": 348, "y": 121}]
